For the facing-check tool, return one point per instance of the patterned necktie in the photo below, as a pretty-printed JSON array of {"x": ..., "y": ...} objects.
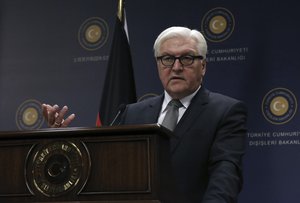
[{"x": 171, "y": 117}]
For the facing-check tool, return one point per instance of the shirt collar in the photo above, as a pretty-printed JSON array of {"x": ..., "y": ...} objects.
[{"x": 185, "y": 100}]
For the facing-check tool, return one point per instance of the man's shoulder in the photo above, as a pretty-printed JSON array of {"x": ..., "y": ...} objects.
[
  {"x": 142, "y": 112},
  {"x": 222, "y": 97},
  {"x": 146, "y": 102}
]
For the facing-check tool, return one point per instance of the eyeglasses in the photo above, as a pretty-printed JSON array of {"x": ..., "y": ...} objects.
[{"x": 186, "y": 60}]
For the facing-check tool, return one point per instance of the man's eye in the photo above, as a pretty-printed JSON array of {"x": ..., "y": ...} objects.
[
  {"x": 168, "y": 58},
  {"x": 186, "y": 58}
]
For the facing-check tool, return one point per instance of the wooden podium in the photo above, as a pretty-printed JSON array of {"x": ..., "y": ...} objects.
[{"x": 112, "y": 164}]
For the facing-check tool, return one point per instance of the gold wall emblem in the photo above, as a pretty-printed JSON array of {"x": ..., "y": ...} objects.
[
  {"x": 29, "y": 115},
  {"x": 279, "y": 106},
  {"x": 217, "y": 24},
  {"x": 93, "y": 33}
]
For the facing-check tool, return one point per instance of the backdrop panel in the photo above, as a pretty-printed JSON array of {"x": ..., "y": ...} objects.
[{"x": 47, "y": 55}]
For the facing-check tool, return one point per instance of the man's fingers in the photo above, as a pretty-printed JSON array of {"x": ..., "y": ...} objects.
[
  {"x": 52, "y": 113},
  {"x": 68, "y": 120},
  {"x": 45, "y": 111},
  {"x": 61, "y": 114},
  {"x": 55, "y": 116}
]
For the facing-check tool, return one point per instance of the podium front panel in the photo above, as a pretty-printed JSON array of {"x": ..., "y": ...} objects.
[{"x": 115, "y": 164}]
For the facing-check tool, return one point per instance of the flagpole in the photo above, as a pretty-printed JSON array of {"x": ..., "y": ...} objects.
[{"x": 121, "y": 10}]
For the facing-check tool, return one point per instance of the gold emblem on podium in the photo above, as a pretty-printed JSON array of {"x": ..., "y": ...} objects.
[{"x": 56, "y": 168}]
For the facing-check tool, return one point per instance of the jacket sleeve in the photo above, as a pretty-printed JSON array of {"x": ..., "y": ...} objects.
[{"x": 225, "y": 158}]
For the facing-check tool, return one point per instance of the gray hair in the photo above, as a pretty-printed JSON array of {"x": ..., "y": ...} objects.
[{"x": 184, "y": 32}]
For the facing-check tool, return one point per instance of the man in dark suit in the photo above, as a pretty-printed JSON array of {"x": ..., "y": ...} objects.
[
  {"x": 207, "y": 146},
  {"x": 209, "y": 138}
]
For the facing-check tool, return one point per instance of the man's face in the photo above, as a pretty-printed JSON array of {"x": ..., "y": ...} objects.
[{"x": 180, "y": 81}]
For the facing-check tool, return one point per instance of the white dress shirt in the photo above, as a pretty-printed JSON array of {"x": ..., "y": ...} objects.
[{"x": 185, "y": 102}]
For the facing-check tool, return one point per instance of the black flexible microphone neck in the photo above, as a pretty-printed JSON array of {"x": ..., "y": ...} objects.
[{"x": 121, "y": 109}]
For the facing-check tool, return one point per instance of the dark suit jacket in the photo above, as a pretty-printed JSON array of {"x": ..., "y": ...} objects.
[{"x": 208, "y": 145}]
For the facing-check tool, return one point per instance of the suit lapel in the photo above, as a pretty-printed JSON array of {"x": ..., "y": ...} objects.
[
  {"x": 153, "y": 110},
  {"x": 186, "y": 122}
]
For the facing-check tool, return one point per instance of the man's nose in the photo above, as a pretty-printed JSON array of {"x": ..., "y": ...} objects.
[{"x": 177, "y": 65}]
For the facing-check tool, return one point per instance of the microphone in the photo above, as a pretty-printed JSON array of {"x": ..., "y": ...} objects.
[{"x": 121, "y": 109}]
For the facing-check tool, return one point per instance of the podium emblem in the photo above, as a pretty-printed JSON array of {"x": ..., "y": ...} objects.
[{"x": 56, "y": 168}]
